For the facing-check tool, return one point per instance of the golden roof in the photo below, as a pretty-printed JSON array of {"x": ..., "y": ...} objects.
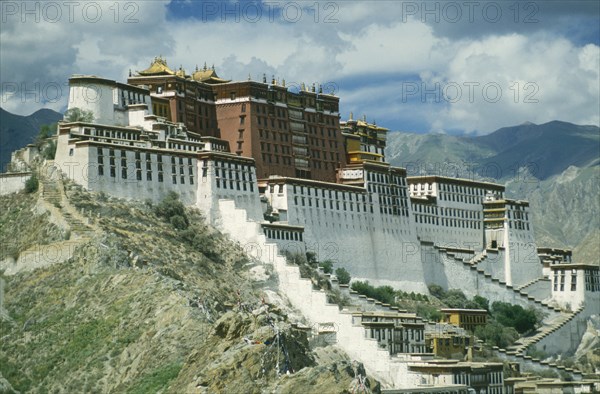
[
  {"x": 208, "y": 75},
  {"x": 158, "y": 67}
]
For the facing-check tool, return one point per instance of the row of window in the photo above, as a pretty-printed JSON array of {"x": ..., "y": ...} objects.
[
  {"x": 233, "y": 176},
  {"x": 194, "y": 122},
  {"x": 129, "y": 97},
  {"x": 293, "y": 114},
  {"x": 284, "y": 235},
  {"x": 456, "y": 197},
  {"x": 386, "y": 179},
  {"x": 518, "y": 225},
  {"x": 428, "y": 219},
  {"x": 467, "y": 190},
  {"x": 133, "y": 170},
  {"x": 592, "y": 280},
  {"x": 450, "y": 212},
  {"x": 559, "y": 281},
  {"x": 332, "y": 204},
  {"x": 114, "y": 134},
  {"x": 522, "y": 215}
]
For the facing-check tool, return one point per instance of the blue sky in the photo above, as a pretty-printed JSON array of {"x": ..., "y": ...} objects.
[{"x": 454, "y": 67}]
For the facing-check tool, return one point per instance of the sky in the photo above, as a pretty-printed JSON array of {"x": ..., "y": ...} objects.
[{"x": 465, "y": 67}]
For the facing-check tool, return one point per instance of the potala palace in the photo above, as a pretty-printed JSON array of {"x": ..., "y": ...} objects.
[{"x": 278, "y": 170}]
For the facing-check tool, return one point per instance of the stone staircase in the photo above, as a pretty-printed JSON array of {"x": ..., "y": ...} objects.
[
  {"x": 52, "y": 199},
  {"x": 524, "y": 297},
  {"x": 521, "y": 345},
  {"x": 478, "y": 258},
  {"x": 530, "y": 283},
  {"x": 555, "y": 320},
  {"x": 52, "y": 191},
  {"x": 312, "y": 302}
]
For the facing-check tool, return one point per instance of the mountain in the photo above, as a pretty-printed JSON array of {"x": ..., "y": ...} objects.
[
  {"x": 554, "y": 165},
  {"x": 546, "y": 150},
  {"x": 16, "y": 131}
]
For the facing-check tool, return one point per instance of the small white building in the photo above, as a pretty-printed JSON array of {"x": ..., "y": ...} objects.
[{"x": 574, "y": 284}]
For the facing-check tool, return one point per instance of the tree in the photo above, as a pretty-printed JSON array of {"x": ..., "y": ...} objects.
[
  {"x": 31, "y": 184},
  {"x": 482, "y": 302},
  {"x": 79, "y": 115},
  {"x": 47, "y": 131},
  {"x": 515, "y": 316},
  {"x": 455, "y": 299},
  {"x": 173, "y": 210},
  {"x": 327, "y": 266},
  {"x": 343, "y": 276},
  {"x": 436, "y": 291},
  {"x": 311, "y": 258},
  {"x": 495, "y": 334}
]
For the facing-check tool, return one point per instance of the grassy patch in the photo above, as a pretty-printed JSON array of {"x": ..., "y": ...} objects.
[{"x": 156, "y": 380}]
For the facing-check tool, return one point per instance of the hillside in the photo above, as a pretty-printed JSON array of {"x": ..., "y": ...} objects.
[
  {"x": 141, "y": 307},
  {"x": 555, "y": 166},
  {"x": 17, "y": 131}
]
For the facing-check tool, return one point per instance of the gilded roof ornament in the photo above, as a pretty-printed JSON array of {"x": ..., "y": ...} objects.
[{"x": 157, "y": 67}]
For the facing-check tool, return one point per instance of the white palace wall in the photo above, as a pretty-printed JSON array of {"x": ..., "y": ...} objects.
[
  {"x": 380, "y": 248},
  {"x": 131, "y": 179}
]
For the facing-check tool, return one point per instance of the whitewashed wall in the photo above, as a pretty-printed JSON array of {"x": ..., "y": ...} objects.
[{"x": 13, "y": 182}]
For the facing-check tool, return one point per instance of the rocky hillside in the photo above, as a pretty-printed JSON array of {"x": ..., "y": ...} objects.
[
  {"x": 555, "y": 166},
  {"x": 142, "y": 307}
]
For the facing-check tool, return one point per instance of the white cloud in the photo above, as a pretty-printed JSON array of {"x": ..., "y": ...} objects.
[
  {"x": 371, "y": 42},
  {"x": 540, "y": 78}
]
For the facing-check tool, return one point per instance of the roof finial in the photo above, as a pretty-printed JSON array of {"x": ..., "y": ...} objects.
[
  {"x": 130, "y": 72},
  {"x": 196, "y": 67},
  {"x": 272, "y": 79},
  {"x": 249, "y": 77},
  {"x": 213, "y": 67},
  {"x": 312, "y": 89},
  {"x": 320, "y": 88},
  {"x": 264, "y": 78},
  {"x": 351, "y": 115},
  {"x": 283, "y": 82},
  {"x": 302, "y": 87},
  {"x": 364, "y": 118},
  {"x": 204, "y": 66}
]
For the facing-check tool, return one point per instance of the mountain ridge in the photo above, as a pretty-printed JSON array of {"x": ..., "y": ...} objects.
[{"x": 16, "y": 131}]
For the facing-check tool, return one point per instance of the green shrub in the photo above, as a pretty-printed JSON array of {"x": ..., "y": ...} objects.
[
  {"x": 32, "y": 184},
  {"x": 436, "y": 291},
  {"x": 311, "y": 258},
  {"x": 385, "y": 294},
  {"x": 327, "y": 266},
  {"x": 523, "y": 320},
  {"x": 173, "y": 211},
  {"x": 343, "y": 276},
  {"x": 429, "y": 312},
  {"x": 495, "y": 334},
  {"x": 179, "y": 222},
  {"x": 482, "y": 302}
]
